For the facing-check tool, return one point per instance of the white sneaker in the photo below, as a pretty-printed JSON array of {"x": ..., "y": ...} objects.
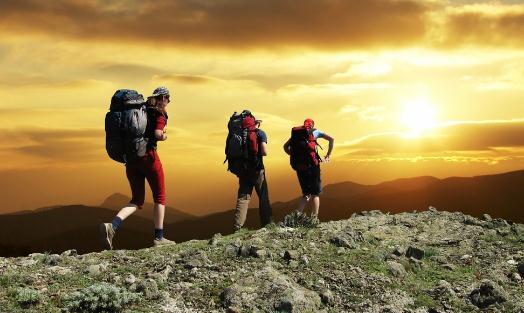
[{"x": 163, "y": 242}]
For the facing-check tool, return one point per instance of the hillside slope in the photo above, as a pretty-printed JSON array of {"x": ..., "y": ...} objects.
[{"x": 432, "y": 261}]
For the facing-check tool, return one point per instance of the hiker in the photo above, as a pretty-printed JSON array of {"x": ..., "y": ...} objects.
[
  {"x": 142, "y": 164},
  {"x": 305, "y": 160},
  {"x": 246, "y": 146}
]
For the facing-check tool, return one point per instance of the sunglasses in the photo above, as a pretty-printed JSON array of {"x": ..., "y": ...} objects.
[{"x": 164, "y": 96}]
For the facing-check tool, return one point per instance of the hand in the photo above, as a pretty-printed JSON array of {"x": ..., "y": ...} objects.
[
  {"x": 326, "y": 158},
  {"x": 165, "y": 129}
]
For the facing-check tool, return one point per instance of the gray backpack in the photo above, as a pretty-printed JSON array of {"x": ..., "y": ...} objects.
[{"x": 125, "y": 126}]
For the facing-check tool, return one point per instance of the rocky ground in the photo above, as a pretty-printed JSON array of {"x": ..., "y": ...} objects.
[{"x": 430, "y": 261}]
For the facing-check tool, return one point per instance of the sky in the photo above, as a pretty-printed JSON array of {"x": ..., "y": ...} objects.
[{"x": 406, "y": 88}]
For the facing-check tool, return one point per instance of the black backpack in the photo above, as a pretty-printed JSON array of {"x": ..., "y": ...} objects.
[
  {"x": 241, "y": 143},
  {"x": 303, "y": 149},
  {"x": 125, "y": 126}
]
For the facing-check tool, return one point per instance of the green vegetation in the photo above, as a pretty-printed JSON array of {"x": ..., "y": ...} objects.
[{"x": 101, "y": 297}]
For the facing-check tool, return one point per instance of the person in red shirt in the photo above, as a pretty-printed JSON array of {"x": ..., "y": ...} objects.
[{"x": 148, "y": 167}]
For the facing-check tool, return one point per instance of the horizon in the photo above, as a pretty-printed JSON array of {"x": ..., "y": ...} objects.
[
  {"x": 253, "y": 204},
  {"x": 407, "y": 88}
]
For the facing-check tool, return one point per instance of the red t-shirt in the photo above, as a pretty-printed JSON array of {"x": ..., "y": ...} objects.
[{"x": 157, "y": 122}]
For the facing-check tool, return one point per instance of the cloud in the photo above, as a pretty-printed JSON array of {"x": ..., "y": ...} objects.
[
  {"x": 485, "y": 138},
  {"x": 481, "y": 25},
  {"x": 128, "y": 69},
  {"x": 374, "y": 113},
  {"x": 65, "y": 145},
  {"x": 18, "y": 80},
  {"x": 186, "y": 79},
  {"x": 324, "y": 24}
]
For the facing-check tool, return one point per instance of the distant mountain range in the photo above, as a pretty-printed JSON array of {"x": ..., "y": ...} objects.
[
  {"x": 59, "y": 228},
  {"x": 172, "y": 215}
]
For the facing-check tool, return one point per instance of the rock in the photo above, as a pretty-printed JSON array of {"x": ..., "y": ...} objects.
[
  {"x": 148, "y": 288},
  {"x": 261, "y": 253},
  {"x": 433, "y": 209},
  {"x": 51, "y": 259},
  {"x": 193, "y": 263},
  {"x": 291, "y": 255},
  {"x": 439, "y": 259},
  {"x": 233, "y": 309},
  {"x": 215, "y": 239},
  {"x": 503, "y": 232},
  {"x": 244, "y": 251},
  {"x": 486, "y": 294},
  {"x": 396, "y": 269},
  {"x": 465, "y": 257},
  {"x": 520, "y": 268},
  {"x": 416, "y": 253},
  {"x": 130, "y": 279},
  {"x": 71, "y": 252},
  {"x": 399, "y": 251},
  {"x": 304, "y": 260},
  {"x": 344, "y": 241},
  {"x": 60, "y": 270},
  {"x": 28, "y": 262},
  {"x": 326, "y": 296},
  {"x": 443, "y": 291},
  {"x": 116, "y": 279},
  {"x": 448, "y": 266},
  {"x": 231, "y": 251},
  {"x": 36, "y": 255},
  {"x": 515, "y": 277},
  {"x": 470, "y": 220},
  {"x": 486, "y": 217},
  {"x": 94, "y": 270},
  {"x": 269, "y": 290}
]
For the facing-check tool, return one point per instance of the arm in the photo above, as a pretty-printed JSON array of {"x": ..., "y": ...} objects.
[
  {"x": 331, "y": 144},
  {"x": 160, "y": 134},
  {"x": 287, "y": 147},
  {"x": 263, "y": 148},
  {"x": 161, "y": 128}
]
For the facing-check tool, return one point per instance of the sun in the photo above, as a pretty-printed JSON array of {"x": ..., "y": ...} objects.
[{"x": 419, "y": 116}]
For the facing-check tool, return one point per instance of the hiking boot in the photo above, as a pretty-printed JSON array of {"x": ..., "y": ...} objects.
[
  {"x": 163, "y": 242},
  {"x": 106, "y": 235}
]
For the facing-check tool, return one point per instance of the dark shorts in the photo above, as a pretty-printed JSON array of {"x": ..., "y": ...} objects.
[{"x": 310, "y": 181}]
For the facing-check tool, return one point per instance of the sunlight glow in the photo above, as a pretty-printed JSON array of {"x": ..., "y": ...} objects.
[{"x": 419, "y": 116}]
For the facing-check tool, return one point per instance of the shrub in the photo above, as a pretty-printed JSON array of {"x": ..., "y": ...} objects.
[
  {"x": 27, "y": 296},
  {"x": 299, "y": 219},
  {"x": 101, "y": 297}
]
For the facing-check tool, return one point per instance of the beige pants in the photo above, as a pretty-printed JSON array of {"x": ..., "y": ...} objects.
[{"x": 247, "y": 182}]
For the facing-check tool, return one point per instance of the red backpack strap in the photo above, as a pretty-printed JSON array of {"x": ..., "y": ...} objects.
[{"x": 249, "y": 123}]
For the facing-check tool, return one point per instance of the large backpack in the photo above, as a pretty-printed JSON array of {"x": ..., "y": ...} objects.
[
  {"x": 125, "y": 126},
  {"x": 303, "y": 148},
  {"x": 241, "y": 143}
]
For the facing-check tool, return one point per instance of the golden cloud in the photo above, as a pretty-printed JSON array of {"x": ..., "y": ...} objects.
[
  {"x": 227, "y": 23},
  {"x": 70, "y": 145},
  {"x": 471, "y": 138},
  {"x": 481, "y": 25}
]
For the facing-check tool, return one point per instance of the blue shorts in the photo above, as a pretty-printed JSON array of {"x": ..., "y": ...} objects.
[{"x": 310, "y": 182}]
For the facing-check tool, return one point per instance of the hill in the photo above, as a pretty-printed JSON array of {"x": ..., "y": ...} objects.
[{"x": 432, "y": 261}]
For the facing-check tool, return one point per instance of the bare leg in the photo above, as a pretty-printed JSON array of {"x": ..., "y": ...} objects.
[
  {"x": 302, "y": 203},
  {"x": 128, "y": 210},
  {"x": 316, "y": 205},
  {"x": 159, "y": 210}
]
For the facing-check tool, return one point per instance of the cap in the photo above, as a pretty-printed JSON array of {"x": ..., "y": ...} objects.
[
  {"x": 309, "y": 122},
  {"x": 160, "y": 91}
]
